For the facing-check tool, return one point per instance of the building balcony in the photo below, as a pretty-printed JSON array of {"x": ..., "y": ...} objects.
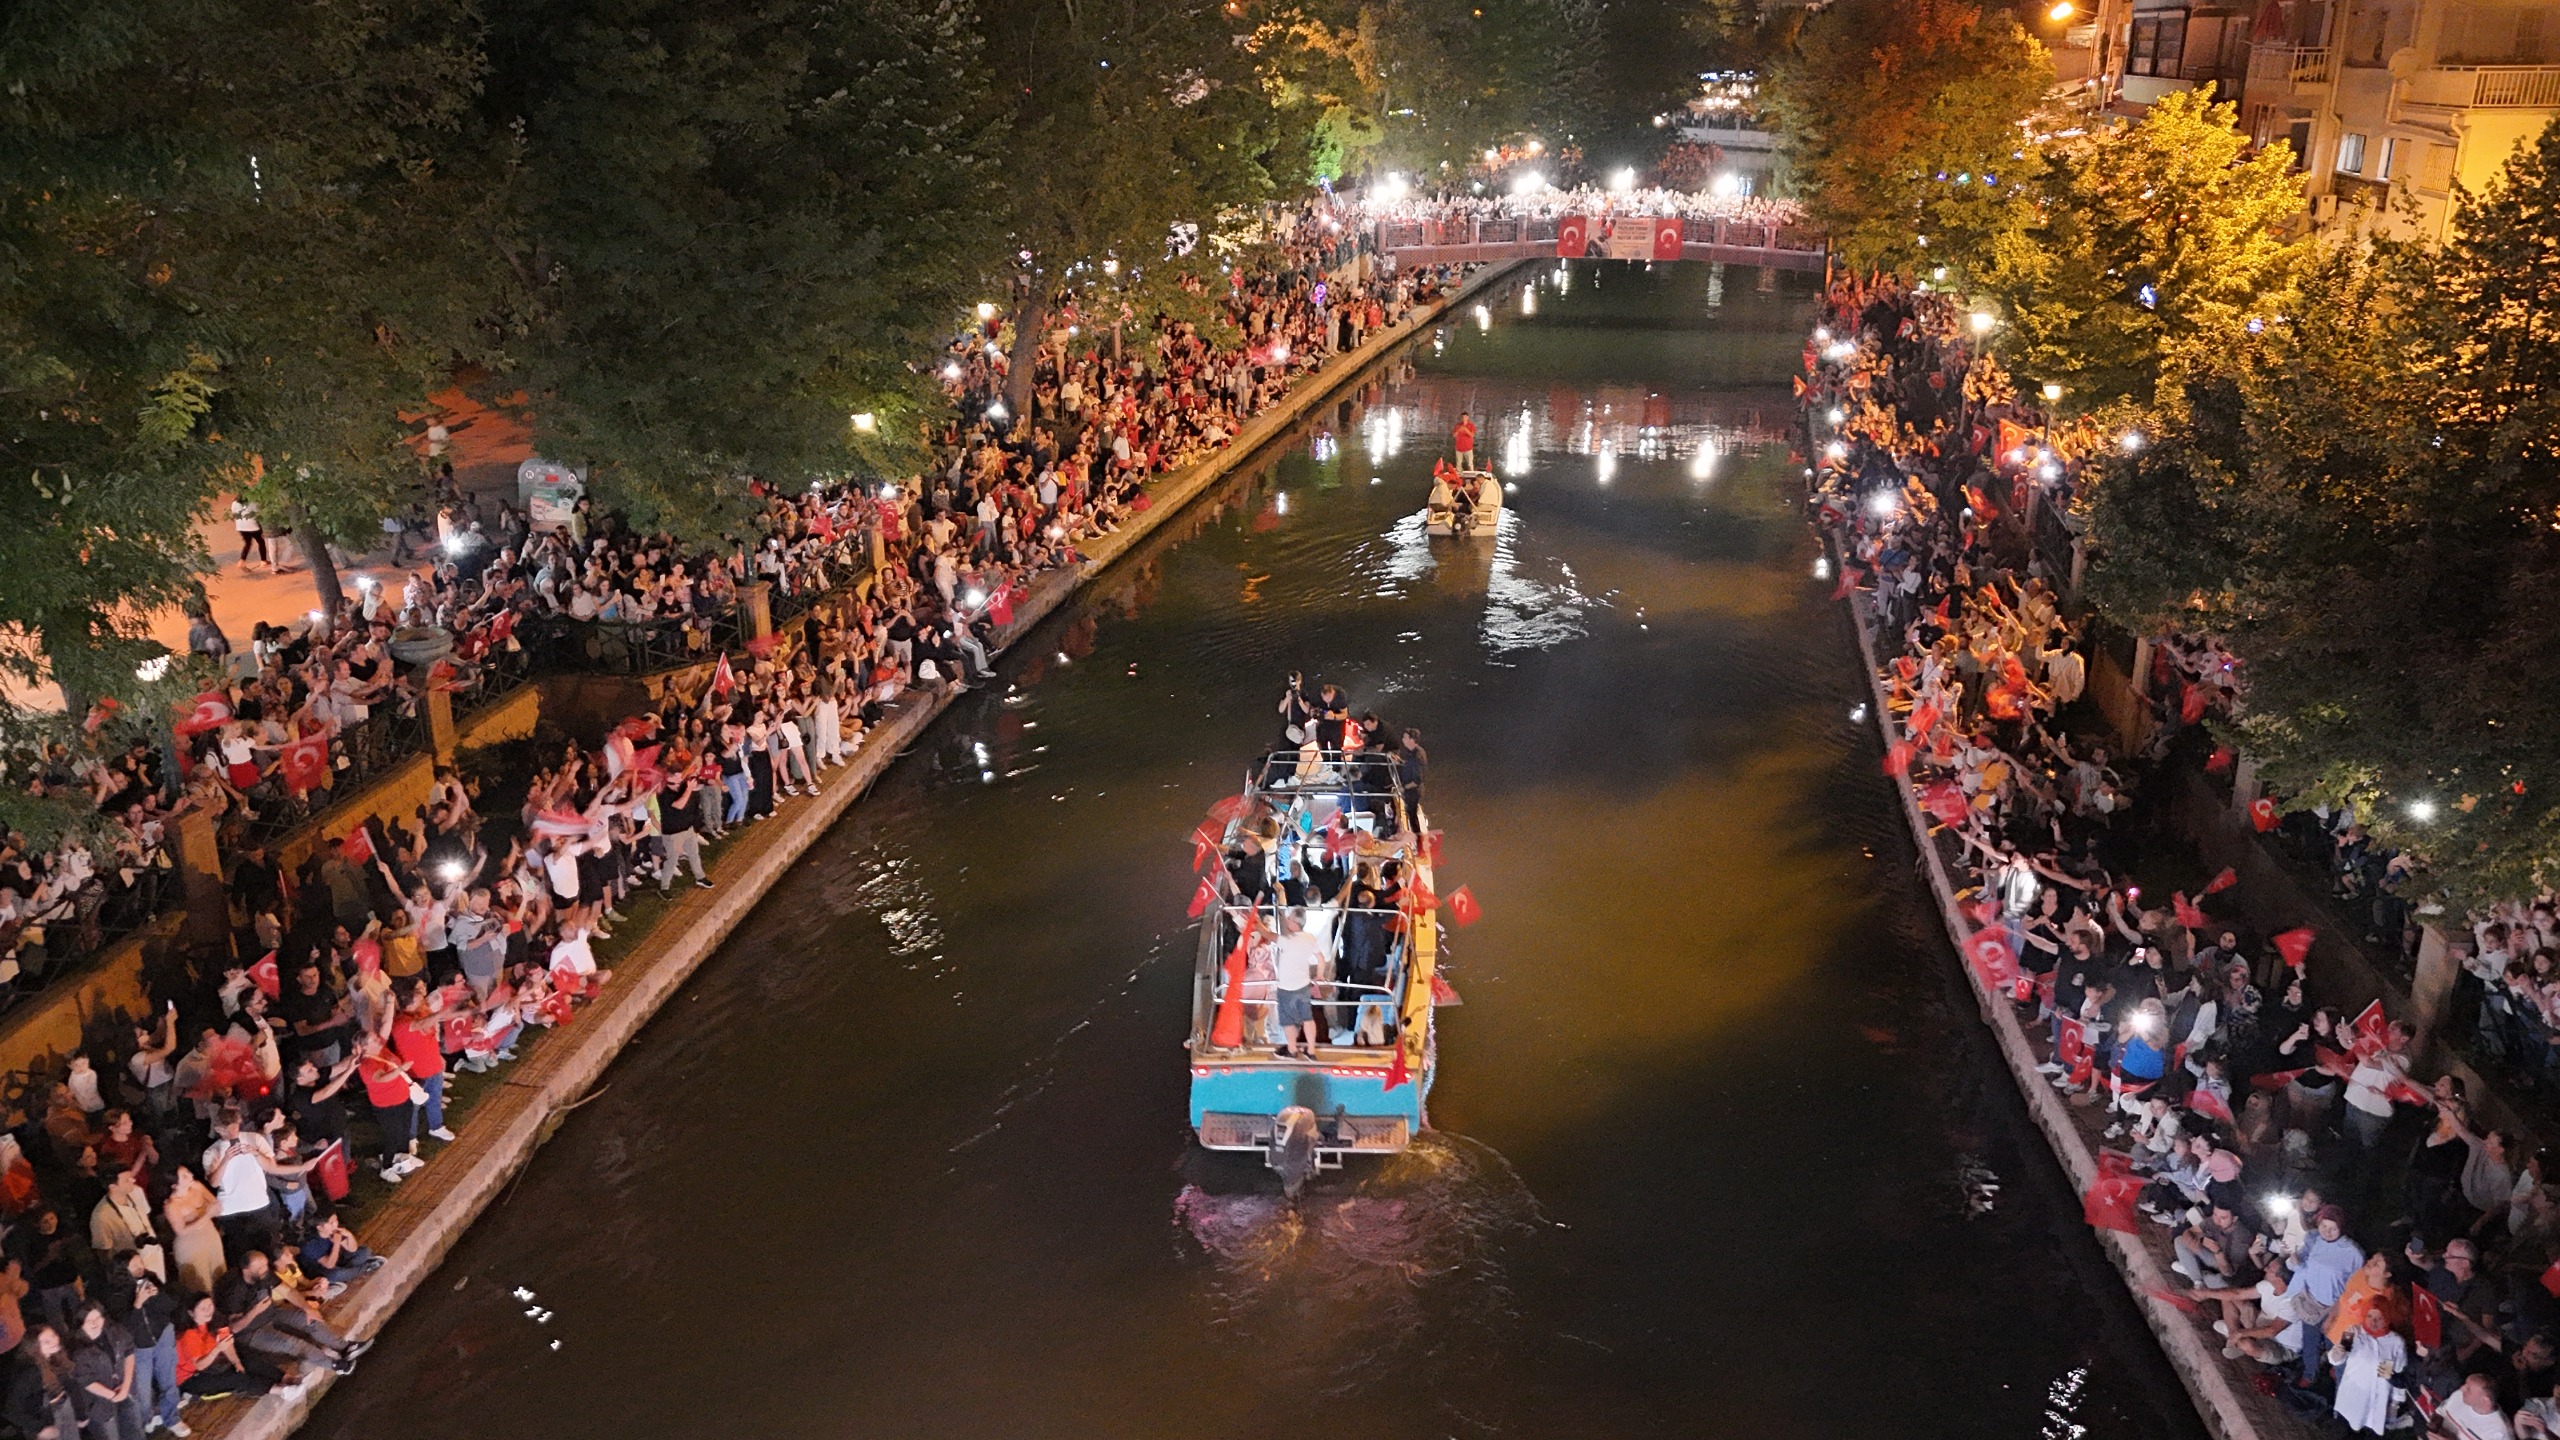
[
  {"x": 2273, "y": 68},
  {"x": 2486, "y": 87}
]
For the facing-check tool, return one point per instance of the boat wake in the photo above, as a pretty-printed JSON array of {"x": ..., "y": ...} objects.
[{"x": 1350, "y": 1278}]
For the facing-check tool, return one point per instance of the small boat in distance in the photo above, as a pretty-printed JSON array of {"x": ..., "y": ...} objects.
[
  {"x": 1310, "y": 833},
  {"x": 1463, "y": 502}
]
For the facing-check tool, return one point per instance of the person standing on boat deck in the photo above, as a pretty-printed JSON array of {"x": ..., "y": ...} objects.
[
  {"x": 1410, "y": 759},
  {"x": 1295, "y": 713},
  {"x": 1295, "y": 959},
  {"x": 1332, "y": 714},
  {"x": 1464, "y": 439}
]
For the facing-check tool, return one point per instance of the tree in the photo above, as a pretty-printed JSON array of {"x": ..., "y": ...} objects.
[
  {"x": 2358, "y": 499},
  {"x": 216, "y": 262},
  {"x": 2149, "y": 251},
  {"x": 739, "y": 224},
  {"x": 1882, "y": 104}
]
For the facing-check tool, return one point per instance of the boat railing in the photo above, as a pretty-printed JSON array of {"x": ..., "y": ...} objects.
[
  {"x": 1341, "y": 773},
  {"x": 1354, "y": 1000}
]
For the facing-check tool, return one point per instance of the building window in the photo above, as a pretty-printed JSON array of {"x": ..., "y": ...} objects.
[
  {"x": 2298, "y": 135},
  {"x": 2437, "y": 176},
  {"x": 2390, "y": 157},
  {"x": 2350, "y": 154},
  {"x": 2159, "y": 42}
]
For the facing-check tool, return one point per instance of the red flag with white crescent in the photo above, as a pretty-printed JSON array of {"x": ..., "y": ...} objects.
[
  {"x": 2294, "y": 945},
  {"x": 1203, "y": 898},
  {"x": 264, "y": 976},
  {"x": 1992, "y": 958},
  {"x": 211, "y": 710},
  {"x": 723, "y": 680},
  {"x": 1463, "y": 907},
  {"x": 2262, "y": 813},
  {"x": 2224, "y": 881},
  {"x": 305, "y": 762},
  {"x": 1666, "y": 237},
  {"x": 2189, "y": 914},
  {"x": 2209, "y": 1105},
  {"x": 1573, "y": 237}
]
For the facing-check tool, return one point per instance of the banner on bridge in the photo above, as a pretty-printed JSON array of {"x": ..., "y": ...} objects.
[
  {"x": 1573, "y": 236},
  {"x": 1643, "y": 237}
]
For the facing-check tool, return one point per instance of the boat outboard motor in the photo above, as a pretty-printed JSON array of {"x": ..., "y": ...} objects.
[{"x": 1293, "y": 1148}]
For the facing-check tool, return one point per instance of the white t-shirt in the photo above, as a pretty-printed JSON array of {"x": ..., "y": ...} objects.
[
  {"x": 562, "y": 868},
  {"x": 2472, "y": 1424},
  {"x": 1294, "y": 961},
  {"x": 239, "y": 1178}
]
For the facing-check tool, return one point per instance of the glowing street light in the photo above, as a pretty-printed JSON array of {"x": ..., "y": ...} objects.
[
  {"x": 1528, "y": 184},
  {"x": 2131, "y": 440},
  {"x": 1727, "y": 185},
  {"x": 1110, "y": 267},
  {"x": 986, "y": 311},
  {"x": 2422, "y": 811},
  {"x": 1983, "y": 320},
  {"x": 865, "y": 421},
  {"x": 2061, "y": 11},
  {"x": 2052, "y": 392},
  {"x": 1390, "y": 188},
  {"x": 1623, "y": 181}
]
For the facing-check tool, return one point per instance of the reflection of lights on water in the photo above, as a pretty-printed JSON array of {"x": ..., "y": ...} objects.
[
  {"x": 1857, "y": 712},
  {"x": 1529, "y": 300},
  {"x": 1280, "y": 501},
  {"x": 1484, "y": 318},
  {"x": 1822, "y": 567},
  {"x": 1515, "y": 447},
  {"x": 1703, "y": 464},
  {"x": 1607, "y": 464},
  {"x": 1510, "y": 488}
]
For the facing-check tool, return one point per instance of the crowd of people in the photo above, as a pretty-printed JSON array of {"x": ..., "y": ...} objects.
[
  {"x": 2254, "y": 1136},
  {"x": 174, "y": 1223}
]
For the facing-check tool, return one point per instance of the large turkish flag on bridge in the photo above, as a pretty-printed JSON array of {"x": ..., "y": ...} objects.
[
  {"x": 1573, "y": 236},
  {"x": 1666, "y": 237}
]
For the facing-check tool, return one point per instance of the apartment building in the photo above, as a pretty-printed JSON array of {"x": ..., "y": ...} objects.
[{"x": 2388, "y": 104}]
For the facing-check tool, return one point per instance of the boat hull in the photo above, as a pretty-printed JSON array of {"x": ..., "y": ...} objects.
[{"x": 1231, "y": 1104}]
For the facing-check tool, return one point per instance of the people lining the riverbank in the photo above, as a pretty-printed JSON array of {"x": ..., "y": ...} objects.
[
  {"x": 2227, "y": 1105},
  {"x": 192, "y": 1179}
]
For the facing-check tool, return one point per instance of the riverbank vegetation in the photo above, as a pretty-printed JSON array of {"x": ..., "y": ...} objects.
[{"x": 2336, "y": 452}]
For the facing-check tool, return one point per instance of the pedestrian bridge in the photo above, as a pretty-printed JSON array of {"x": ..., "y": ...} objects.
[{"x": 1725, "y": 242}]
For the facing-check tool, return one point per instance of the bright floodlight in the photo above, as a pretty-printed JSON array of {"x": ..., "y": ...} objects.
[
  {"x": 865, "y": 421},
  {"x": 1390, "y": 187},
  {"x": 986, "y": 311},
  {"x": 2422, "y": 811},
  {"x": 1491, "y": 156},
  {"x": 2131, "y": 440},
  {"x": 1883, "y": 503},
  {"x": 1838, "y": 414},
  {"x": 2052, "y": 391},
  {"x": 1727, "y": 183},
  {"x": 149, "y": 671},
  {"x": 1983, "y": 320},
  {"x": 1623, "y": 181},
  {"x": 2060, "y": 12},
  {"x": 1528, "y": 184},
  {"x": 995, "y": 411}
]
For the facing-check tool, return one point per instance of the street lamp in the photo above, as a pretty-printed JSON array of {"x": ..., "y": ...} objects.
[
  {"x": 2061, "y": 11},
  {"x": 1983, "y": 320},
  {"x": 986, "y": 311},
  {"x": 2052, "y": 392},
  {"x": 865, "y": 421}
]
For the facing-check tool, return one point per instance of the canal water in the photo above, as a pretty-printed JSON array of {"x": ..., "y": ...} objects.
[{"x": 1714, "y": 1125}]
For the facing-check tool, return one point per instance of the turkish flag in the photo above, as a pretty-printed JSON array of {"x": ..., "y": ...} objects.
[
  {"x": 2294, "y": 945},
  {"x": 1666, "y": 238},
  {"x": 1227, "y": 810},
  {"x": 1463, "y": 907},
  {"x": 305, "y": 763},
  {"x": 2191, "y": 701},
  {"x": 1431, "y": 848},
  {"x": 1203, "y": 898},
  {"x": 1992, "y": 957},
  {"x": 2277, "y": 1079},
  {"x": 1898, "y": 757},
  {"x": 1398, "y": 1073},
  {"x": 2219, "y": 762},
  {"x": 1850, "y": 575},
  {"x": 723, "y": 680},
  {"x": 1944, "y": 800},
  {"x": 2332, "y": 1062},
  {"x": 1442, "y": 992},
  {"x": 2072, "y": 1048},
  {"x": 330, "y": 1174},
  {"x": 2551, "y": 1278},
  {"x": 2223, "y": 881},
  {"x": 2188, "y": 914},
  {"x": 2426, "y": 1317},
  {"x": 2370, "y": 1028},
  {"x": 264, "y": 976},
  {"x": 2108, "y": 1203},
  {"x": 559, "y": 823},
  {"x": 2209, "y": 1105},
  {"x": 1204, "y": 845},
  {"x": 1000, "y": 606},
  {"x": 211, "y": 709},
  {"x": 1924, "y": 718},
  {"x": 2262, "y": 813},
  {"x": 1227, "y": 1030},
  {"x": 1573, "y": 236},
  {"x": 356, "y": 846},
  {"x": 1337, "y": 842}
]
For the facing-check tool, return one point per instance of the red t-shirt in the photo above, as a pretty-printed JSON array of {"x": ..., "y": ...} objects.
[
  {"x": 1465, "y": 435},
  {"x": 418, "y": 1048}
]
